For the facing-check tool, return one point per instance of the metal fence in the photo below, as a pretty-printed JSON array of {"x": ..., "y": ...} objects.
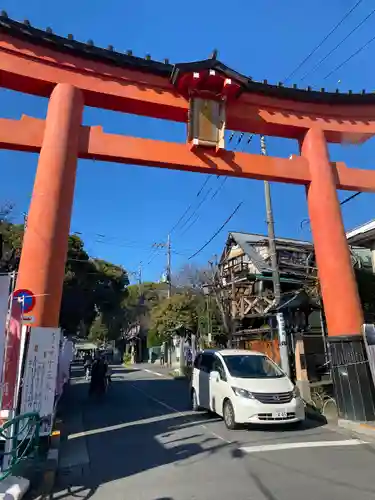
[{"x": 20, "y": 438}]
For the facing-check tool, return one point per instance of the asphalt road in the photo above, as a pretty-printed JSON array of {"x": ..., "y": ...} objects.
[{"x": 142, "y": 442}]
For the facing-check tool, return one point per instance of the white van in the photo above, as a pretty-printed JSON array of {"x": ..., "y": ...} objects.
[{"x": 244, "y": 387}]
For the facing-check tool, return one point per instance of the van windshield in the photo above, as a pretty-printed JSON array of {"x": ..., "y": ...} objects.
[{"x": 252, "y": 366}]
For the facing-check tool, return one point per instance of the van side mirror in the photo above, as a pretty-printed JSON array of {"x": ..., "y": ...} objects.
[{"x": 215, "y": 376}]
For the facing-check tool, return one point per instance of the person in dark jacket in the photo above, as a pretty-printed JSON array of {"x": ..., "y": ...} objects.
[{"x": 98, "y": 382}]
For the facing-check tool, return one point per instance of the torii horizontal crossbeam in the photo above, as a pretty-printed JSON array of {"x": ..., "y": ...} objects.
[{"x": 27, "y": 133}]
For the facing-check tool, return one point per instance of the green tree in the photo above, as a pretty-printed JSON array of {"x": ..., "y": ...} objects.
[
  {"x": 11, "y": 236},
  {"x": 110, "y": 290},
  {"x": 91, "y": 286},
  {"x": 99, "y": 331},
  {"x": 140, "y": 301},
  {"x": 78, "y": 300},
  {"x": 179, "y": 313},
  {"x": 209, "y": 317}
]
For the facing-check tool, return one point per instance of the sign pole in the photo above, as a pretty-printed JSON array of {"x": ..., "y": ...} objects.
[{"x": 9, "y": 442}]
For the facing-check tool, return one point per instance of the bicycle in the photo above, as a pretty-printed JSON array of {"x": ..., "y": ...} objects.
[{"x": 324, "y": 403}]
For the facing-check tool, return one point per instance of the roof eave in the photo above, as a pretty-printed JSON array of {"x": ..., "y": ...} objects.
[{"x": 84, "y": 50}]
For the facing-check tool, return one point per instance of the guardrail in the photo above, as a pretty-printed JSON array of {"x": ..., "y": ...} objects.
[{"x": 21, "y": 441}]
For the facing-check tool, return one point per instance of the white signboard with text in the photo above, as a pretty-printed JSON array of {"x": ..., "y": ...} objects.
[{"x": 40, "y": 374}]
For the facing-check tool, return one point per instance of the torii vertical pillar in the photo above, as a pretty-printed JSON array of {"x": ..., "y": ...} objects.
[
  {"x": 45, "y": 242},
  {"x": 352, "y": 379}
]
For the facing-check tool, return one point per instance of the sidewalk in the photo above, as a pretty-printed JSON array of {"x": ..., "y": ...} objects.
[
  {"x": 73, "y": 453},
  {"x": 74, "y": 460},
  {"x": 154, "y": 368},
  {"x": 14, "y": 487},
  {"x": 162, "y": 371},
  {"x": 362, "y": 428}
]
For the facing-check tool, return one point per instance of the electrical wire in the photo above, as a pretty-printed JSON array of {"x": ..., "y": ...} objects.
[
  {"x": 190, "y": 225},
  {"x": 338, "y": 45},
  {"x": 317, "y": 47},
  {"x": 349, "y": 198},
  {"x": 199, "y": 192},
  {"x": 218, "y": 231},
  {"x": 223, "y": 181},
  {"x": 219, "y": 188},
  {"x": 364, "y": 46},
  {"x": 196, "y": 209},
  {"x": 109, "y": 239},
  {"x": 144, "y": 247}
]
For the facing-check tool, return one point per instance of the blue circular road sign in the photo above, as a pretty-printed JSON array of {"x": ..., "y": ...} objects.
[{"x": 26, "y": 297}]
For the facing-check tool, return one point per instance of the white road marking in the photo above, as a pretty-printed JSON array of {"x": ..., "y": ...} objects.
[
  {"x": 154, "y": 373},
  {"x": 293, "y": 446},
  {"x": 124, "y": 425},
  {"x": 185, "y": 414}
]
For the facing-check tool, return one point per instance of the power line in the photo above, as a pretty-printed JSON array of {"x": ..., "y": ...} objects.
[
  {"x": 218, "y": 231},
  {"x": 232, "y": 135},
  {"x": 141, "y": 247},
  {"x": 208, "y": 178},
  {"x": 241, "y": 136},
  {"x": 196, "y": 209},
  {"x": 204, "y": 185},
  {"x": 223, "y": 181},
  {"x": 349, "y": 198},
  {"x": 364, "y": 46},
  {"x": 105, "y": 238},
  {"x": 317, "y": 47},
  {"x": 219, "y": 188},
  {"x": 338, "y": 45},
  {"x": 190, "y": 225}
]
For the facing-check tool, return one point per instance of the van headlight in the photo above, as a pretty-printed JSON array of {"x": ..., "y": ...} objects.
[
  {"x": 242, "y": 393},
  {"x": 296, "y": 392}
]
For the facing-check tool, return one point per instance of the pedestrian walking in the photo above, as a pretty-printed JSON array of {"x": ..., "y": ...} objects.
[{"x": 162, "y": 354}]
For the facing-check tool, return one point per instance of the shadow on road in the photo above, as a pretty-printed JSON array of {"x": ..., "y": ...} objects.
[
  {"x": 129, "y": 432},
  {"x": 141, "y": 424}
]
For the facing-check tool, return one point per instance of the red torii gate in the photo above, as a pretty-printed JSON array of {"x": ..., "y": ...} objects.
[{"x": 208, "y": 96}]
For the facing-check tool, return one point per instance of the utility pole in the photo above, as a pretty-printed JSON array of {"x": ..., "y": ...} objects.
[
  {"x": 167, "y": 246},
  {"x": 140, "y": 274},
  {"x": 284, "y": 357},
  {"x": 221, "y": 303},
  {"x": 232, "y": 310},
  {"x": 169, "y": 277},
  {"x": 24, "y": 221}
]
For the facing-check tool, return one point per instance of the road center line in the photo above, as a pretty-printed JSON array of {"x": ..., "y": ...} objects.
[
  {"x": 293, "y": 446},
  {"x": 153, "y": 373}
]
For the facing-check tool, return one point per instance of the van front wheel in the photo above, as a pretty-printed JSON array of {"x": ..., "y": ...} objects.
[{"x": 229, "y": 416}]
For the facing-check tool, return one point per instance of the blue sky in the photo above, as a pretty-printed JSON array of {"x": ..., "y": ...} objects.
[{"x": 121, "y": 210}]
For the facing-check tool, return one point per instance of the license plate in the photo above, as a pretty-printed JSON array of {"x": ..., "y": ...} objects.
[{"x": 280, "y": 414}]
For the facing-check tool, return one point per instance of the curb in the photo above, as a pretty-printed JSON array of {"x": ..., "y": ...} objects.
[
  {"x": 14, "y": 487},
  {"x": 50, "y": 467},
  {"x": 49, "y": 474},
  {"x": 360, "y": 428},
  {"x": 37, "y": 480}
]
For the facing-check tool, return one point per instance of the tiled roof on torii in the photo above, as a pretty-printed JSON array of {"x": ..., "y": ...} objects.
[{"x": 173, "y": 71}]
